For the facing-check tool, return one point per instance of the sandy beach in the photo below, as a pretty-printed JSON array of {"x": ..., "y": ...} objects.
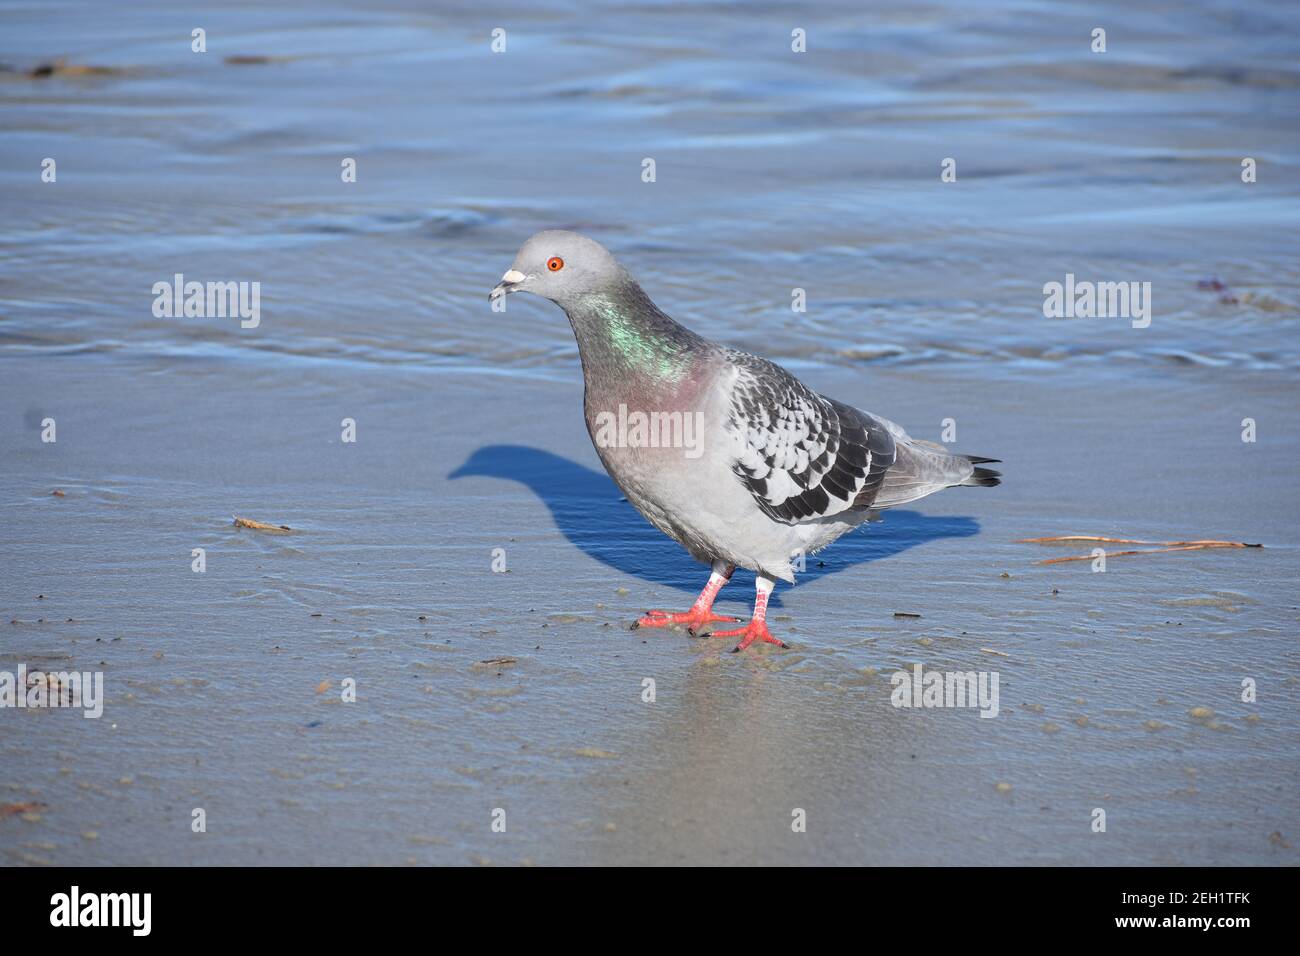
[
  {"x": 479, "y": 691},
  {"x": 387, "y": 578}
]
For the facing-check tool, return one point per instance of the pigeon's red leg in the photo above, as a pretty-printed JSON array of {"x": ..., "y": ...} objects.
[
  {"x": 756, "y": 629},
  {"x": 701, "y": 611}
]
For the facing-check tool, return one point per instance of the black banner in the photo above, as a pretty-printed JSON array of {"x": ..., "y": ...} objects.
[{"x": 1222, "y": 905}]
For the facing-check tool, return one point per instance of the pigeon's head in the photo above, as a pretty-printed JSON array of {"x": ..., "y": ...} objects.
[{"x": 561, "y": 266}]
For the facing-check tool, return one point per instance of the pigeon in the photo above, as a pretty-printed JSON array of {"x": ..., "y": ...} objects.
[{"x": 725, "y": 452}]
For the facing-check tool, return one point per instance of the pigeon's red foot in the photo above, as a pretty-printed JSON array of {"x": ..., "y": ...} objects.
[
  {"x": 756, "y": 630},
  {"x": 694, "y": 619}
]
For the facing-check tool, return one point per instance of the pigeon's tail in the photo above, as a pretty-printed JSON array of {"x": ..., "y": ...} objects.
[
  {"x": 982, "y": 477},
  {"x": 923, "y": 467}
]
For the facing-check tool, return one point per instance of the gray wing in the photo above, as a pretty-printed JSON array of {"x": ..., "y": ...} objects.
[{"x": 801, "y": 455}]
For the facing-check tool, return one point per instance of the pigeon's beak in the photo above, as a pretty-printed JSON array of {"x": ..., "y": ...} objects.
[{"x": 509, "y": 282}]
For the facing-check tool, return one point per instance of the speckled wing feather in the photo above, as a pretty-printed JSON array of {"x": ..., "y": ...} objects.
[{"x": 801, "y": 455}]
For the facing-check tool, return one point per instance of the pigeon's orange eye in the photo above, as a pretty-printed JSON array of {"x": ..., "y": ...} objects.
[{"x": 555, "y": 263}]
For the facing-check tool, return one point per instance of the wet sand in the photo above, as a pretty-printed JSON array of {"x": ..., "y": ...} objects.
[{"x": 386, "y": 578}]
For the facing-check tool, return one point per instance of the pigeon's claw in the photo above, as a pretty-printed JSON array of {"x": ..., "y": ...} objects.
[
  {"x": 693, "y": 619},
  {"x": 755, "y": 630}
]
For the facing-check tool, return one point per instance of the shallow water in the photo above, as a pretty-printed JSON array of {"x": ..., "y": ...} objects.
[{"x": 775, "y": 171}]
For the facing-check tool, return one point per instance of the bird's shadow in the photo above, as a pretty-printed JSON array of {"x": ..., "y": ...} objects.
[{"x": 593, "y": 515}]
